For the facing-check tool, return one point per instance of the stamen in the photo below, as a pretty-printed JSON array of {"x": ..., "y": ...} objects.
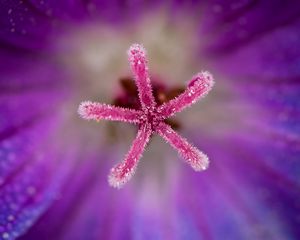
[
  {"x": 138, "y": 63},
  {"x": 150, "y": 118},
  {"x": 198, "y": 87},
  {"x": 197, "y": 160},
  {"x": 122, "y": 172},
  {"x": 97, "y": 111}
]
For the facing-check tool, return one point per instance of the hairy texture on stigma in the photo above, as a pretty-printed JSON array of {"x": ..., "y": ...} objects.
[
  {"x": 197, "y": 160},
  {"x": 122, "y": 172},
  {"x": 198, "y": 87},
  {"x": 98, "y": 111},
  {"x": 139, "y": 66},
  {"x": 150, "y": 118}
]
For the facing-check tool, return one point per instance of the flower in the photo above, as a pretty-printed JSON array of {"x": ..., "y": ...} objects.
[
  {"x": 53, "y": 165},
  {"x": 150, "y": 118}
]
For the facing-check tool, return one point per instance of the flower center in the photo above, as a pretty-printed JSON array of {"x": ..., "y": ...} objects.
[
  {"x": 151, "y": 117},
  {"x": 128, "y": 98}
]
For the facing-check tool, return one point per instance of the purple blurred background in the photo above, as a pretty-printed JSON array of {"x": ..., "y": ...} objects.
[{"x": 54, "y": 165}]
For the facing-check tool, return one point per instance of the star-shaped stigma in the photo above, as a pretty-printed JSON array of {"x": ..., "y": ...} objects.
[{"x": 150, "y": 118}]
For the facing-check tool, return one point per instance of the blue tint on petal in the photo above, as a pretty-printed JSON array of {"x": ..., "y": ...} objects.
[
  {"x": 145, "y": 228},
  {"x": 27, "y": 193},
  {"x": 186, "y": 227}
]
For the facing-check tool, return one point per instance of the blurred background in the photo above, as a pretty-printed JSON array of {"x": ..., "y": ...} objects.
[{"x": 54, "y": 165}]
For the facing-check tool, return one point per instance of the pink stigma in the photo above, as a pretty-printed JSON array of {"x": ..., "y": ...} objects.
[{"x": 150, "y": 118}]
